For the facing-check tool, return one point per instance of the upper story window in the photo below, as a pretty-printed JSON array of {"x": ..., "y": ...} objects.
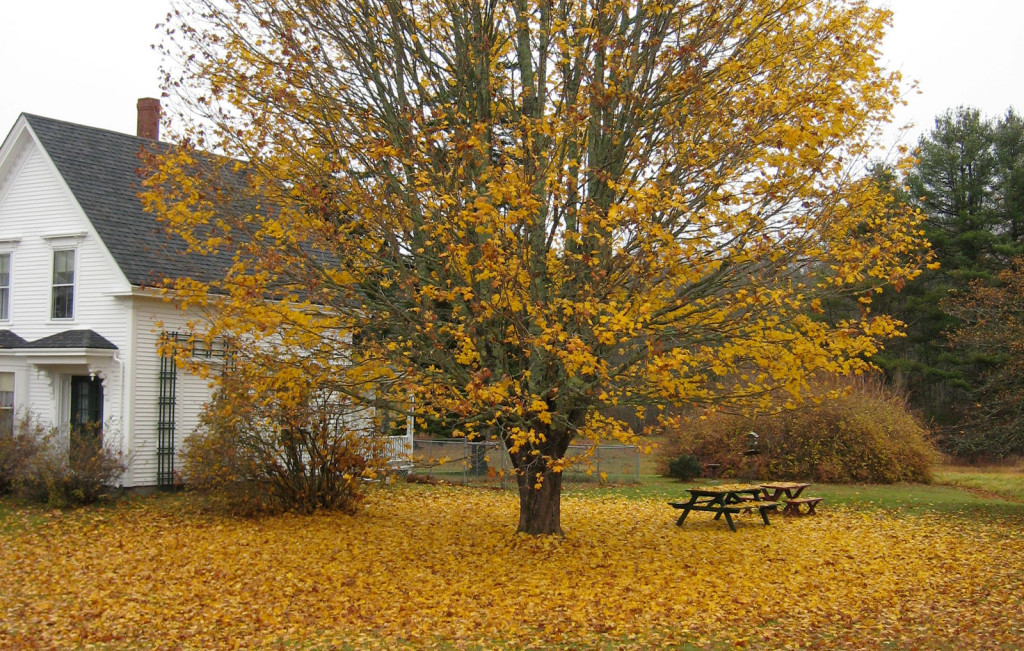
[
  {"x": 63, "y": 284},
  {"x": 5, "y": 286}
]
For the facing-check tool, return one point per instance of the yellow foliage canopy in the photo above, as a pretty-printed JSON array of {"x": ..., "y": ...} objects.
[{"x": 531, "y": 211}]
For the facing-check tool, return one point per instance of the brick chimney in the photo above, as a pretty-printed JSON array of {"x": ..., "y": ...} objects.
[{"x": 149, "y": 118}]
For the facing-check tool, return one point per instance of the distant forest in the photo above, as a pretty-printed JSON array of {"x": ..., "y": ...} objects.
[{"x": 960, "y": 362}]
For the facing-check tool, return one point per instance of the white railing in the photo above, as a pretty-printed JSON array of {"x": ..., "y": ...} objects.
[{"x": 398, "y": 450}]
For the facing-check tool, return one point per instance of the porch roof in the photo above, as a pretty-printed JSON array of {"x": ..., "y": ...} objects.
[{"x": 71, "y": 339}]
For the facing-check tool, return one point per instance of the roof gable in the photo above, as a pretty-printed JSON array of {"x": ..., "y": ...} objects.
[{"x": 102, "y": 170}]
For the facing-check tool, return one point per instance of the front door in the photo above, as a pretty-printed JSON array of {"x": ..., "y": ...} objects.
[{"x": 86, "y": 414}]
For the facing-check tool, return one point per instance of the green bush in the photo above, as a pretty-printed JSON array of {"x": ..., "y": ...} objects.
[
  {"x": 867, "y": 435},
  {"x": 685, "y": 467}
]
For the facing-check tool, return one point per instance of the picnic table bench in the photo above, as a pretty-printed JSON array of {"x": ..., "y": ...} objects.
[
  {"x": 793, "y": 506},
  {"x": 774, "y": 491},
  {"x": 727, "y": 500}
]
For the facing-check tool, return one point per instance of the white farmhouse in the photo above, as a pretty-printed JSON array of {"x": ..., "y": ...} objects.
[{"x": 79, "y": 329}]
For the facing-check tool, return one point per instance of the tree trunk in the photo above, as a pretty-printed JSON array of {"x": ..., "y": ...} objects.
[{"x": 539, "y": 508}]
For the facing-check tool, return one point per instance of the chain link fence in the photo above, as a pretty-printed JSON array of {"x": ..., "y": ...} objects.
[{"x": 487, "y": 462}]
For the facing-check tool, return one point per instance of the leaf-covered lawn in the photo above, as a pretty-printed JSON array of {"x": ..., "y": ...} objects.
[{"x": 440, "y": 565}]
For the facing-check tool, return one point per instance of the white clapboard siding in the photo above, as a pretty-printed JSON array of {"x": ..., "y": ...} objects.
[
  {"x": 192, "y": 392},
  {"x": 37, "y": 215},
  {"x": 35, "y": 207}
]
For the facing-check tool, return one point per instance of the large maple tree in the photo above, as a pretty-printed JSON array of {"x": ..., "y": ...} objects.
[{"x": 522, "y": 213}]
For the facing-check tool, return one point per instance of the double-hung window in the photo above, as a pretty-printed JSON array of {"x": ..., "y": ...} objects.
[
  {"x": 5, "y": 286},
  {"x": 63, "y": 284}
]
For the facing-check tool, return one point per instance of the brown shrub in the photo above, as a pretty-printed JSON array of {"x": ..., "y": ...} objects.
[
  {"x": 45, "y": 469},
  {"x": 16, "y": 451},
  {"x": 260, "y": 450},
  {"x": 866, "y": 435}
]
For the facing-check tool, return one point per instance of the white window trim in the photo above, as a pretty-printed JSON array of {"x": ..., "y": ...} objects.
[
  {"x": 9, "y": 245},
  {"x": 10, "y": 282},
  {"x": 64, "y": 240},
  {"x": 74, "y": 287}
]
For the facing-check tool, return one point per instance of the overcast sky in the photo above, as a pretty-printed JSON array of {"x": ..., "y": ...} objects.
[{"x": 89, "y": 61}]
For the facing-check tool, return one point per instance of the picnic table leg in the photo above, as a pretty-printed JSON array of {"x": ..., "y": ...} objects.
[
  {"x": 686, "y": 512},
  {"x": 764, "y": 515},
  {"x": 728, "y": 518},
  {"x": 720, "y": 502}
]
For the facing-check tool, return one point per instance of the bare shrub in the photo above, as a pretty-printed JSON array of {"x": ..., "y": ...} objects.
[
  {"x": 16, "y": 451},
  {"x": 61, "y": 473}
]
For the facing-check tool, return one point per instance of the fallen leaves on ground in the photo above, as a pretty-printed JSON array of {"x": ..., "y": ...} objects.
[{"x": 440, "y": 565}]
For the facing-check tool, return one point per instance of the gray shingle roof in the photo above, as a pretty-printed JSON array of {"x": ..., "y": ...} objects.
[
  {"x": 10, "y": 340},
  {"x": 72, "y": 339},
  {"x": 102, "y": 169}
]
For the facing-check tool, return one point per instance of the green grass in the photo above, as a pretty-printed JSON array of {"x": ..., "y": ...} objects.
[
  {"x": 1003, "y": 482},
  {"x": 951, "y": 496},
  {"x": 919, "y": 498},
  {"x": 14, "y": 519}
]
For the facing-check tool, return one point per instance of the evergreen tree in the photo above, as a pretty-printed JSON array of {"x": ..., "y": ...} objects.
[
  {"x": 954, "y": 184},
  {"x": 919, "y": 361},
  {"x": 1008, "y": 190}
]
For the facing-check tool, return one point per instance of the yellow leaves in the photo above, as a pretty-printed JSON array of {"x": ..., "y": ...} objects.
[
  {"x": 433, "y": 565},
  {"x": 655, "y": 231},
  {"x": 467, "y": 354},
  {"x": 540, "y": 408}
]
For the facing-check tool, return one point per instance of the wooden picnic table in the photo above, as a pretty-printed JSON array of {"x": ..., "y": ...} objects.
[
  {"x": 790, "y": 489},
  {"x": 727, "y": 500},
  {"x": 774, "y": 491}
]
